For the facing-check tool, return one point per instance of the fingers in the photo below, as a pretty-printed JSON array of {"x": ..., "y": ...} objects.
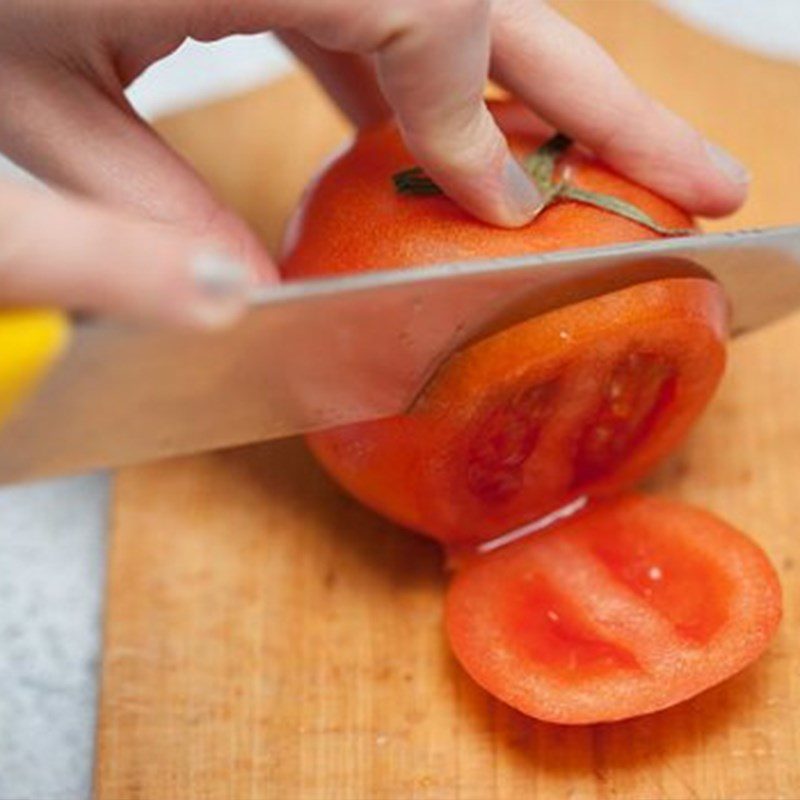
[
  {"x": 433, "y": 64},
  {"x": 570, "y": 81},
  {"x": 71, "y": 124},
  {"x": 60, "y": 252},
  {"x": 349, "y": 79},
  {"x": 79, "y": 135},
  {"x": 432, "y": 60}
]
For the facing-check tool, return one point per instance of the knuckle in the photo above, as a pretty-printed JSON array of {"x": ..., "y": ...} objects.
[
  {"x": 366, "y": 26},
  {"x": 463, "y": 12},
  {"x": 422, "y": 15},
  {"x": 613, "y": 133},
  {"x": 460, "y": 8},
  {"x": 469, "y": 143},
  {"x": 335, "y": 25}
]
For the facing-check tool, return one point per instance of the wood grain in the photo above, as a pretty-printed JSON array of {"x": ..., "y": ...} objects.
[{"x": 268, "y": 638}]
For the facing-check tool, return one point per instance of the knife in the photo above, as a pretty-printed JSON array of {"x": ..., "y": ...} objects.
[{"x": 314, "y": 354}]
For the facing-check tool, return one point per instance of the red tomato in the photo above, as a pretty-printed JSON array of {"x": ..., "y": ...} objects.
[
  {"x": 627, "y": 608},
  {"x": 585, "y": 399},
  {"x": 581, "y": 400}
]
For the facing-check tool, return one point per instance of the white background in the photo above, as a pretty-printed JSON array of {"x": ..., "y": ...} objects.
[{"x": 52, "y": 535}]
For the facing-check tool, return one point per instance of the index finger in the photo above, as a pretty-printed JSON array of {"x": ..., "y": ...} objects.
[{"x": 433, "y": 69}]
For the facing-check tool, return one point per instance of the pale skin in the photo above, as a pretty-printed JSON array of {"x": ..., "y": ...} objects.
[{"x": 179, "y": 255}]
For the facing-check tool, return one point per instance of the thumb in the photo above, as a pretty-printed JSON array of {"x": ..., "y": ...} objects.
[
  {"x": 71, "y": 133},
  {"x": 67, "y": 253}
]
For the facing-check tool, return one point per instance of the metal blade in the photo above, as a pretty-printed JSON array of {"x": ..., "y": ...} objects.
[{"x": 317, "y": 354}]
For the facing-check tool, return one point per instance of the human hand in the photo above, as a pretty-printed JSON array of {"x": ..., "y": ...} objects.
[
  {"x": 66, "y": 252},
  {"x": 64, "y": 65},
  {"x": 563, "y": 76}
]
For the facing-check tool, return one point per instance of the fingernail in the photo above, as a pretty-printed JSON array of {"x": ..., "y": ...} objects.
[
  {"x": 222, "y": 284},
  {"x": 734, "y": 170},
  {"x": 526, "y": 200},
  {"x": 218, "y": 275}
]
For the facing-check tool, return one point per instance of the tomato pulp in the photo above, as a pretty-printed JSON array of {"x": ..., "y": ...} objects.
[{"x": 580, "y": 401}]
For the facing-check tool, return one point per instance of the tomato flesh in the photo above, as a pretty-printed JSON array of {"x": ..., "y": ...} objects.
[
  {"x": 585, "y": 414},
  {"x": 549, "y": 626},
  {"x": 680, "y": 584},
  {"x": 626, "y": 608}
]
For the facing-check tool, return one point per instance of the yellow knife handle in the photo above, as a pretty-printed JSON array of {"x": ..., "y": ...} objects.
[{"x": 30, "y": 341}]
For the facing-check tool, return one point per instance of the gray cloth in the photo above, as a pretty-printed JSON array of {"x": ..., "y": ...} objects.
[{"x": 52, "y": 561}]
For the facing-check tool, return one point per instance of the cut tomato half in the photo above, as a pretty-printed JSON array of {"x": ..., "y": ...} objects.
[
  {"x": 583, "y": 400},
  {"x": 629, "y": 607}
]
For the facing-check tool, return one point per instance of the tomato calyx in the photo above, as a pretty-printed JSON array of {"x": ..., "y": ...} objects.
[{"x": 542, "y": 167}]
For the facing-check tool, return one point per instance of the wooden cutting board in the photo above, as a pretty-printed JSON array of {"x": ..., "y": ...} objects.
[{"x": 268, "y": 638}]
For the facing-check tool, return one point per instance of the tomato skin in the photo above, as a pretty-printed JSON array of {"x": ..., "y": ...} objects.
[
  {"x": 351, "y": 220},
  {"x": 497, "y": 440},
  {"x": 631, "y": 606}
]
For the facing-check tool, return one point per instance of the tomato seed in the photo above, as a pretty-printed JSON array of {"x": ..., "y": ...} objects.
[
  {"x": 504, "y": 442},
  {"x": 636, "y": 392}
]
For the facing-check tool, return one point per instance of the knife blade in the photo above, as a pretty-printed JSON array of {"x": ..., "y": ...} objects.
[{"x": 316, "y": 354}]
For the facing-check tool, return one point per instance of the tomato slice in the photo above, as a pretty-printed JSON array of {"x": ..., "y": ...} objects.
[
  {"x": 609, "y": 387},
  {"x": 629, "y": 607}
]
